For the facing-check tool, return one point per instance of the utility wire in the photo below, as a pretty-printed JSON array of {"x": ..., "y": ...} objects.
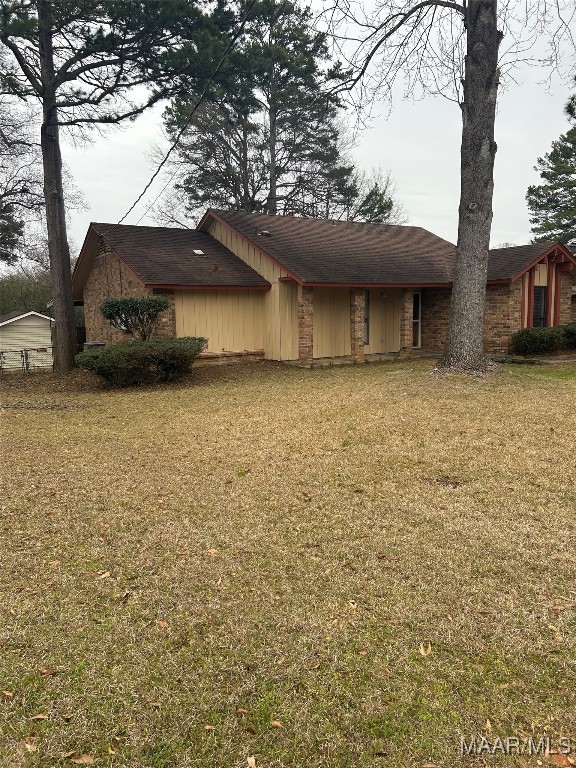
[{"x": 188, "y": 119}]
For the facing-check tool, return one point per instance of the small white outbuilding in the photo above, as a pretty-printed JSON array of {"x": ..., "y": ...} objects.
[{"x": 25, "y": 340}]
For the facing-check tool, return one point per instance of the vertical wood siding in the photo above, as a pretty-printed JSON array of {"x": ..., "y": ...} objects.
[
  {"x": 331, "y": 322},
  {"x": 384, "y": 321},
  {"x": 231, "y": 320},
  {"x": 280, "y": 339}
]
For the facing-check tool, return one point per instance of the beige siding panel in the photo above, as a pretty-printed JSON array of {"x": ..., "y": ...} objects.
[
  {"x": 331, "y": 322},
  {"x": 24, "y": 335},
  {"x": 288, "y": 321},
  {"x": 274, "y": 342},
  {"x": 232, "y": 321},
  {"x": 541, "y": 275},
  {"x": 384, "y": 320}
]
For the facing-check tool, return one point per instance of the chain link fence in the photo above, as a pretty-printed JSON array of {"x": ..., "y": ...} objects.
[{"x": 25, "y": 360}]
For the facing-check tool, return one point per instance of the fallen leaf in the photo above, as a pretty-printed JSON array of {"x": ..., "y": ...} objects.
[
  {"x": 429, "y": 765},
  {"x": 488, "y": 725},
  {"x": 104, "y": 575},
  {"x": 281, "y": 661},
  {"x": 362, "y": 651},
  {"x": 209, "y": 728},
  {"x": 30, "y": 747},
  {"x": 69, "y": 754},
  {"x": 212, "y": 551},
  {"x": 241, "y": 711},
  {"x": 276, "y": 724},
  {"x": 161, "y": 623},
  {"x": 561, "y": 760},
  {"x": 39, "y": 717},
  {"x": 48, "y": 672},
  {"x": 111, "y": 751},
  {"x": 251, "y": 762},
  {"x": 425, "y": 650},
  {"x": 84, "y": 760},
  {"x": 8, "y": 694},
  {"x": 250, "y": 728}
]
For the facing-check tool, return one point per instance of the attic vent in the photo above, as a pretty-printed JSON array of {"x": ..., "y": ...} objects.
[
  {"x": 264, "y": 233},
  {"x": 198, "y": 252}
]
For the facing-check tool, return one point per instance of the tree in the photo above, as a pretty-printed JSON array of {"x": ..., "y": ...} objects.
[
  {"x": 452, "y": 47},
  {"x": 571, "y": 105},
  {"x": 25, "y": 291},
  {"x": 268, "y": 139},
  {"x": 134, "y": 314},
  {"x": 552, "y": 204},
  {"x": 20, "y": 181},
  {"x": 81, "y": 62}
]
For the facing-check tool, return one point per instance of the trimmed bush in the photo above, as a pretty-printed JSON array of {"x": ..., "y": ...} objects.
[
  {"x": 136, "y": 363},
  {"x": 134, "y": 314},
  {"x": 537, "y": 341},
  {"x": 569, "y": 335}
]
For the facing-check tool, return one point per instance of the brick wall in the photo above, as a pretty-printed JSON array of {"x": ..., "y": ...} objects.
[
  {"x": 567, "y": 306},
  {"x": 109, "y": 277},
  {"x": 502, "y": 315},
  {"x": 406, "y": 324},
  {"x": 305, "y": 324},
  {"x": 357, "y": 312},
  {"x": 501, "y": 318},
  {"x": 435, "y": 308}
]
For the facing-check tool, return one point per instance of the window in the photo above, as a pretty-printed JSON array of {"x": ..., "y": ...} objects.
[
  {"x": 540, "y": 306},
  {"x": 366, "y": 316},
  {"x": 416, "y": 320}
]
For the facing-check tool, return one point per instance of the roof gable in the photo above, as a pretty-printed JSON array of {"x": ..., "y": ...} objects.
[
  {"x": 11, "y": 317},
  {"x": 167, "y": 257},
  {"x": 329, "y": 252}
]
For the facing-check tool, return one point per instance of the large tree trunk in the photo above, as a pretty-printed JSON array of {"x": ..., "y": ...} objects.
[
  {"x": 58, "y": 249},
  {"x": 464, "y": 347},
  {"x": 272, "y": 196}
]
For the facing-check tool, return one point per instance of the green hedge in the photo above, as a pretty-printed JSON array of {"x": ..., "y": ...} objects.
[
  {"x": 538, "y": 341},
  {"x": 135, "y": 363},
  {"x": 569, "y": 335}
]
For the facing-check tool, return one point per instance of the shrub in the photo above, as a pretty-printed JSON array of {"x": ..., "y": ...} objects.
[
  {"x": 569, "y": 335},
  {"x": 134, "y": 314},
  {"x": 135, "y": 363},
  {"x": 537, "y": 341}
]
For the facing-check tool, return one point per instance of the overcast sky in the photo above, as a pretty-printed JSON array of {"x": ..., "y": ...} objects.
[{"x": 418, "y": 142}]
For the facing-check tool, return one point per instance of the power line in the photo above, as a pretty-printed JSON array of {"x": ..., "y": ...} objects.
[{"x": 188, "y": 119}]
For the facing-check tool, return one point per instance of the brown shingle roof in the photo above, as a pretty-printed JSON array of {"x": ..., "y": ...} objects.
[
  {"x": 342, "y": 252},
  {"x": 163, "y": 256},
  {"x": 506, "y": 263}
]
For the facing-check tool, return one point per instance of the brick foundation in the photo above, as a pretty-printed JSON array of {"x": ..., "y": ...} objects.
[
  {"x": 357, "y": 313},
  {"x": 110, "y": 277},
  {"x": 305, "y": 324},
  {"x": 406, "y": 317}
]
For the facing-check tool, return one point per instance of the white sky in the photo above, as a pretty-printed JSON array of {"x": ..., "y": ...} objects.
[{"x": 419, "y": 143}]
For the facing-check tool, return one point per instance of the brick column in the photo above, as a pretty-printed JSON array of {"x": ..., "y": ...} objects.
[
  {"x": 166, "y": 323},
  {"x": 357, "y": 311},
  {"x": 406, "y": 333},
  {"x": 305, "y": 324}
]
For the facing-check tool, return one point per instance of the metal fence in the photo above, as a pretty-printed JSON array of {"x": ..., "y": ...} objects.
[{"x": 25, "y": 360}]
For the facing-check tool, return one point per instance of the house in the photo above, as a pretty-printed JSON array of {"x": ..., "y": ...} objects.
[
  {"x": 25, "y": 340},
  {"x": 301, "y": 289}
]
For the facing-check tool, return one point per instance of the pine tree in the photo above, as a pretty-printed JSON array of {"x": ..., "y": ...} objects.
[
  {"x": 552, "y": 204},
  {"x": 268, "y": 140}
]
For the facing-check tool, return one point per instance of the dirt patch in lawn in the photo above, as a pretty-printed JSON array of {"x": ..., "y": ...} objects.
[{"x": 342, "y": 567}]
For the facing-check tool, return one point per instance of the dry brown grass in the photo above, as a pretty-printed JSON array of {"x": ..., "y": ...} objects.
[{"x": 269, "y": 544}]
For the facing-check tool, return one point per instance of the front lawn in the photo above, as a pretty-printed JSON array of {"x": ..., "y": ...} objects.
[{"x": 346, "y": 568}]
